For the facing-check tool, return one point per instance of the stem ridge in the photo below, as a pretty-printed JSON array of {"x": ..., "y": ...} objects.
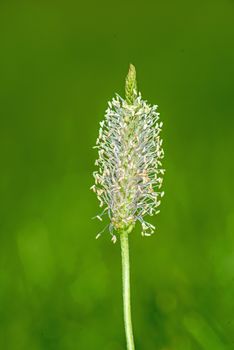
[{"x": 126, "y": 290}]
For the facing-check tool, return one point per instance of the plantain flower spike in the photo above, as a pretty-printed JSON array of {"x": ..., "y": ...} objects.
[{"x": 129, "y": 175}]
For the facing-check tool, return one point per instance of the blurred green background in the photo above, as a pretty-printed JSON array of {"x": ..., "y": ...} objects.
[{"x": 60, "y": 62}]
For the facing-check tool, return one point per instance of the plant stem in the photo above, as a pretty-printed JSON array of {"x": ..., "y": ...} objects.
[{"x": 126, "y": 289}]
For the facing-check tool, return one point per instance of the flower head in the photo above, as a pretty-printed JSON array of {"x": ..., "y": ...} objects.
[{"x": 129, "y": 175}]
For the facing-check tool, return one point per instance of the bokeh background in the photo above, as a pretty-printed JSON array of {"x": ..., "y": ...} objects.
[{"x": 60, "y": 62}]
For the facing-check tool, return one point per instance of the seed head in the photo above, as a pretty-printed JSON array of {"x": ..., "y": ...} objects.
[{"x": 129, "y": 175}]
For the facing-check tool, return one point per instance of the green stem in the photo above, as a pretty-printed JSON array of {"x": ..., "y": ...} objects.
[{"x": 126, "y": 289}]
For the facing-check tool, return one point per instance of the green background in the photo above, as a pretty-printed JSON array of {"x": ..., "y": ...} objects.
[{"x": 60, "y": 62}]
